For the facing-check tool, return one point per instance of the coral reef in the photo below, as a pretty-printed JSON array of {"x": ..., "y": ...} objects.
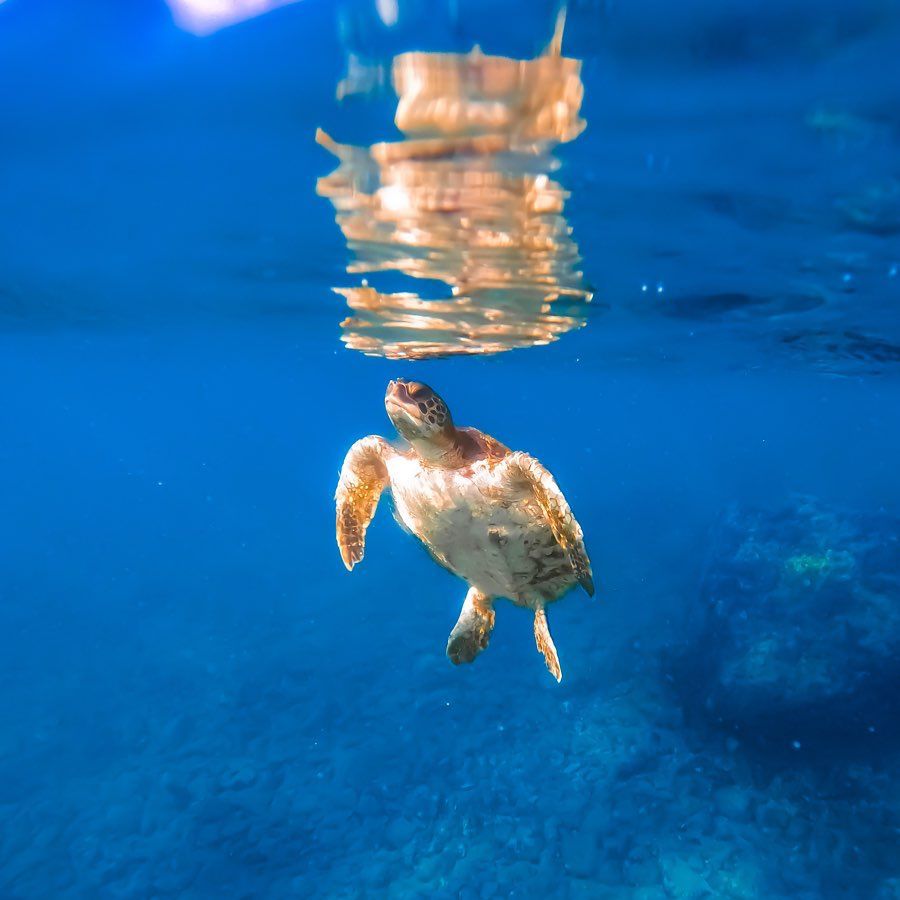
[
  {"x": 800, "y": 628},
  {"x": 234, "y": 777}
]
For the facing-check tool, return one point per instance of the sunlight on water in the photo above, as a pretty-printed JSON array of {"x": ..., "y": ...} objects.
[{"x": 207, "y": 16}]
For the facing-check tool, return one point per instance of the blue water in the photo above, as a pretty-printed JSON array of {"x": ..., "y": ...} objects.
[{"x": 199, "y": 701}]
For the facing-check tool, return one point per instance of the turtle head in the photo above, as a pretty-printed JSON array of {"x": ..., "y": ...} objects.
[{"x": 421, "y": 416}]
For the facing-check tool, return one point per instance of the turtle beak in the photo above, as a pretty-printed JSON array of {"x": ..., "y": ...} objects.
[
  {"x": 396, "y": 391},
  {"x": 397, "y": 402},
  {"x": 391, "y": 395}
]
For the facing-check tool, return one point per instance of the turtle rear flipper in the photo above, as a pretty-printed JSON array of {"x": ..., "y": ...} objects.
[
  {"x": 545, "y": 643},
  {"x": 473, "y": 629}
]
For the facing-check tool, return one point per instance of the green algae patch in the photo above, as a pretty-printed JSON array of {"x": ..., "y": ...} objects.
[{"x": 820, "y": 565}]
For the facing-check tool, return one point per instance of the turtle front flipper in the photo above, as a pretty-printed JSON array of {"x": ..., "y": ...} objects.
[
  {"x": 545, "y": 643},
  {"x": 473, "y": 629},
  {"x": 526, "y": 471},
  {"x": 363, "y": 477}
]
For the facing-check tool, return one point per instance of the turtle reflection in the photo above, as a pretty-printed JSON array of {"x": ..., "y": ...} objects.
[{"x": 465, "y": 199}]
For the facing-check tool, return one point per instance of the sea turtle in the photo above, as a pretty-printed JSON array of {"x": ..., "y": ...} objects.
[{"x": 492, "y": 516}]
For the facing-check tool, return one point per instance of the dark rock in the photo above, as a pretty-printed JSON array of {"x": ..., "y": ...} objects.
[
  {"x": 180, "y": 795},
  {"x": 733, "y": 803},
  {"x": 400, "y": 831},
  {"x": 580, "y": 853},
  {"x": 798, "y": 635}
]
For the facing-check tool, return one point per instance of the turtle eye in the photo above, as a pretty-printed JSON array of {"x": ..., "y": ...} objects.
[{"x": 419, "y": 391}]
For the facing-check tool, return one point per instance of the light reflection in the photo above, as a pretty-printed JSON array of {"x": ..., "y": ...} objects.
[
  {"x": 467, "y": 198},
  {"x": 206, "y": 16}
]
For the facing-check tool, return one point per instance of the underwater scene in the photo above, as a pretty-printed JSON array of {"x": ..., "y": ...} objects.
[{"x": 572, "y": 330}]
